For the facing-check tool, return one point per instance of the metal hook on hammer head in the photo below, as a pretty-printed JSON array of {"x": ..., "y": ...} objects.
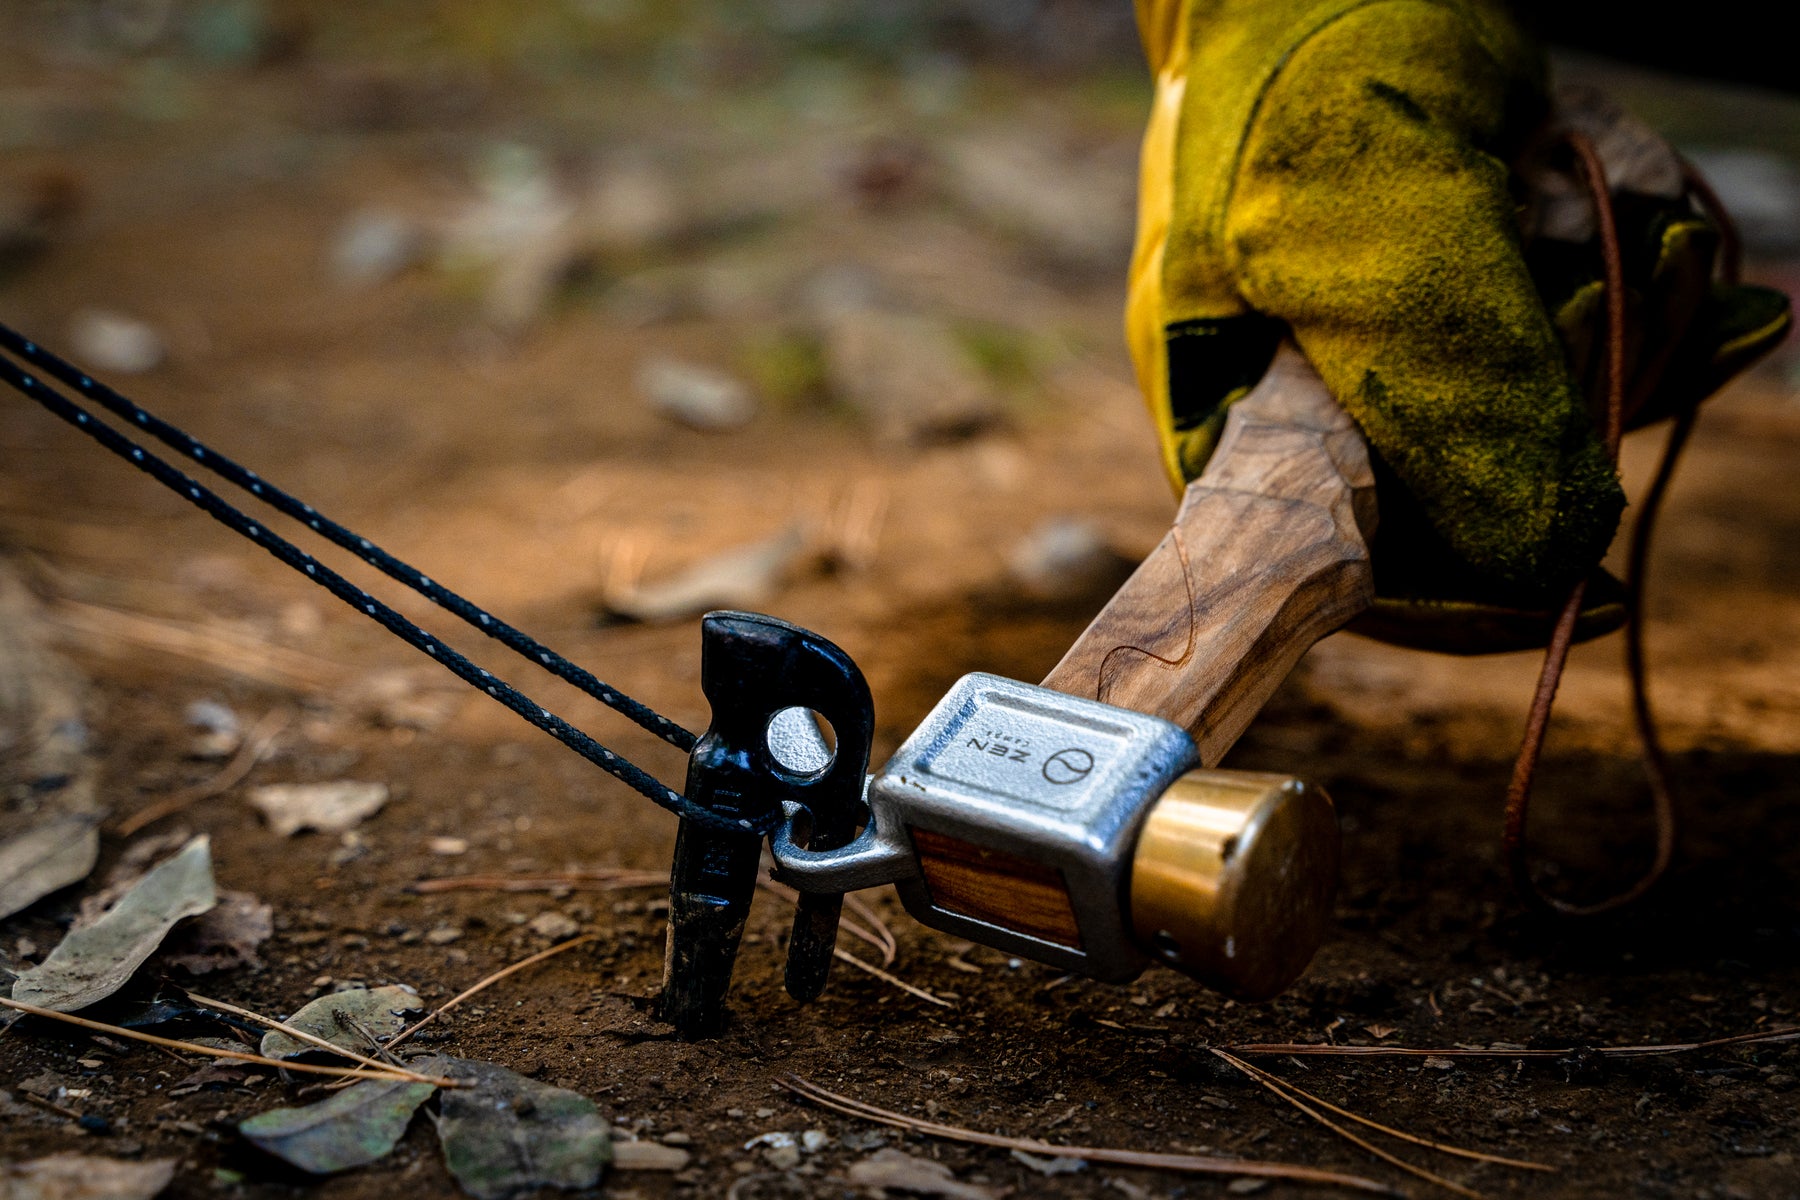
[{"x": 754, "y": 670}]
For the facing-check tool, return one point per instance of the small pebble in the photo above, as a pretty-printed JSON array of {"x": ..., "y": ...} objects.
[
  {"x": 1066, "y": 557},
  {"x": 374, "y": 246},
  {"x": 553, "y": 925},
  {"x": 110, "y": 341},
  {"x": 677, "y": 1138},
  {"x": 443, "y": 935},
  {"x": 219, "y": 733},
  {"x": 448, "y": 846},
  {"x": 775, "y": 1137},
  {"x": 814, "y": 1140},
  {"x": 696, "y": 396},
  {"x": 1058, "y": 1165}
]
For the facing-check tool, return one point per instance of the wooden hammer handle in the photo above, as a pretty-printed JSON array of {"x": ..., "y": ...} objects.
[{"x": 1268, "y": 554}]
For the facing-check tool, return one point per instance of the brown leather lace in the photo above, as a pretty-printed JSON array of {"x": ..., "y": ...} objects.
[{"x": 1556, "y": 656}]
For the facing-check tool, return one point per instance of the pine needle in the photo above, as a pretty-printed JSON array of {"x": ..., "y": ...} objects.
[
  {"x": 256, "y": 744},
  {"x": 1415, "y": 1139},
  {"x": 1321, "y": 1049},
  {"x": 844, "y": 955},
  {"x": 485, "y": 983},
  {"x": 1352, "y": 1138},
  {"x": 856, "y": 929},
  {"x": 876, "y": 933},
  {"x": 602, "y": 880},
  {"x": 301, "y": 1035},
  {"x": 213, "y": 1052},
  {"x": 890, "y": 948},
  {"x": 1191, "y": 1163}
]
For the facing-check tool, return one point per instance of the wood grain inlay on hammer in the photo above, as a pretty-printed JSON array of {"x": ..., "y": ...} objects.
[
  {"x": 1269, "y": 553},
  {"x": 997, "y": 888}
]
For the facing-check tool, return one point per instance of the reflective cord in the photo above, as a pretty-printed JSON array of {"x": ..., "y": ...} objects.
[
  {"x": 35, "y": 388},
  {"x": 1656, "y": 767},
  {"x": 364, "y": 549}
]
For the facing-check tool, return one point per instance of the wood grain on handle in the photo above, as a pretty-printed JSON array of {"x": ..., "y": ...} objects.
[{"x": 1268, "y": 554}]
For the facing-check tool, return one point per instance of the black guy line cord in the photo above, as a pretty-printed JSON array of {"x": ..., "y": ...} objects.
[{"x": 222, "y": 511}]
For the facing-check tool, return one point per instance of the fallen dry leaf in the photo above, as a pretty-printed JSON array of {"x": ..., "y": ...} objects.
[
  {"x": 49, "y": 835},
  {"x": 93, "y": 962},
  {"x": 56, "y": 851},
  {"x": 325, "y": 807},
  {"x": 1058, "y": 1165},
  {"x": 356, "y": 1126},
  {"x": 224, "y": 937},
  {"x": 128, "y": 870},
  {"x": 383, "y": 1011},
  {"x": 745, "y": 577},
  {"x": 84, "y": 1177},
  {"x": 901, "y": 1172},
  {"x": 213, "y": 1074},
  {"x": 509, "y": 1134}
]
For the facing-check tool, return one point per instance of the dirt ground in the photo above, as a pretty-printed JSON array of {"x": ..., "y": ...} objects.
[{"x": 519, "y": 465}]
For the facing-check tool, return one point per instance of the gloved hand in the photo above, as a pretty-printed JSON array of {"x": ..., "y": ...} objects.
[{"x": 1357, "y": 172}]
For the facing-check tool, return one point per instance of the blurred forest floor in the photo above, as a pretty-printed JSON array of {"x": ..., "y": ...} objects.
[{"x": 561, "y": 301}]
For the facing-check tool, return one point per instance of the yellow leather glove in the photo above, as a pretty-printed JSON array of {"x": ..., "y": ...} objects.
[{"x": 1343, "y": 169}]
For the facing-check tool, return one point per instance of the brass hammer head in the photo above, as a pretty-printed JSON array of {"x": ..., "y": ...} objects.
[{"x": 1233, "y": 878}]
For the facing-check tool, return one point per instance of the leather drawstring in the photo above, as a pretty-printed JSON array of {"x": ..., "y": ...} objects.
[{"x": 1656, "y": 770}]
